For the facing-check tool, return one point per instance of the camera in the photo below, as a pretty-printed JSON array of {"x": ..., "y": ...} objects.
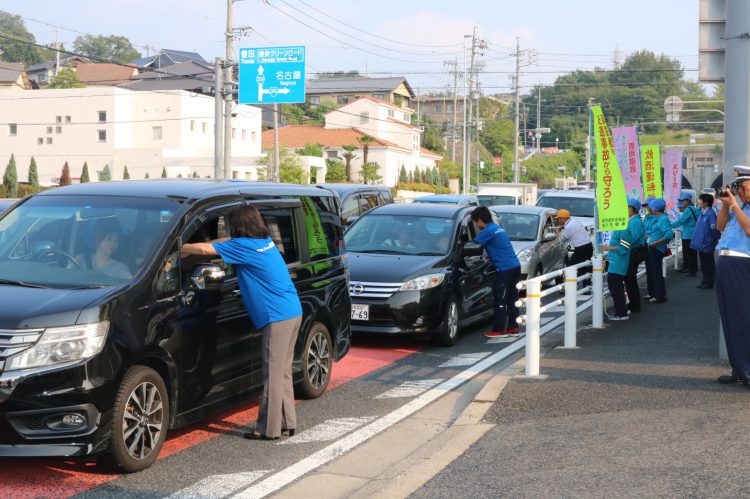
[{"x": 723, "y": 192}]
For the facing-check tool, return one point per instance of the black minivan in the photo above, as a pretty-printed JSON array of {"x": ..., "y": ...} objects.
[
  {"x": 105, "y": 361},
  {"x": 416, "y": 270}
]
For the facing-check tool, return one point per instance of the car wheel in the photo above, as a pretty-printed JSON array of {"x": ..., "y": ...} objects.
[
  {"x": 139, "y": 420},
  {"x": 317, "y": 361},
  {"x": 448, "y": 332}
]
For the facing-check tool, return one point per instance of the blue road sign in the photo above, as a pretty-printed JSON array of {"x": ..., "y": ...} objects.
[{"x": 272, "y": 75}]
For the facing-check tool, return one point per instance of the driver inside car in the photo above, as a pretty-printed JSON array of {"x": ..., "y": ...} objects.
[{"x": 107, "y": 239}]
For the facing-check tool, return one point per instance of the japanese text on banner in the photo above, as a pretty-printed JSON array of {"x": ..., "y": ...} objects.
[
  {"x": 672, "y": 181},
  {"x": 628, "y": 155},
  {"x": 611, "y": 201},
  {"x": 651, "y": 161}
]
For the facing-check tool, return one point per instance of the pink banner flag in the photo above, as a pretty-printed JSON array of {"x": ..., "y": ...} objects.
[
  {"x": 672, "y": 181},
  {"x": 629, "y": 156}
]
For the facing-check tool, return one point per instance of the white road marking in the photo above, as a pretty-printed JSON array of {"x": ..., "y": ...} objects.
[
  {"x": 465, "y": 359},
  {"x": 503, "y": 339},
  {"x": 284, "y": 477},
  {"x": 219, "y": 485},
  {"x": 410, "y": 388},
  {"x": 330, "y": 430}
]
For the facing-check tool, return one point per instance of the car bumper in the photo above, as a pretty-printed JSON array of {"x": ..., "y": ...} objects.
[{"x": 405, "y": 312}]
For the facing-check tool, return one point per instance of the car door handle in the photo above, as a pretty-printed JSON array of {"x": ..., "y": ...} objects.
[{"x": 236, "y": 292}]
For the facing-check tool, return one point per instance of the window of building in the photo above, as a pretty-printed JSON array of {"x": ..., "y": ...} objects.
[
  {"x": 416, "y": 142},
  {"x": 40, "y": 141},
  {"x": 49, "y": 129},
  {"x": 58, "y": 129},
  {"x": 438, "y": 108},
  {"x": 379, "y": 96},
  {"x": 102, "y": 116},
  {"x": 203, "y": 127},
  {"x": 58, "y": 119},
  {"x": 342, "y": 99},
  {"x": 332, "y": 154},
  {"x": 49, "y": 140},
  {"x": 364, "y": 117},
  {"x": 254, "y": 136},
  {"x": 102, "y": 134},
  {"x": 192, "y": 125},
  {"x": 407, "y": 118},
  {"x": 315, "y": 99},
  {"x": 156, "y": 130},
  {"x": 244, "y": 134},
  {"x": 67, "y": 119},
  {"x": 234, "y": 133},
  {"x": 12, "y": 129},
  {"x": 391, "y": 113},
  {"x": 449, "y": 108}
]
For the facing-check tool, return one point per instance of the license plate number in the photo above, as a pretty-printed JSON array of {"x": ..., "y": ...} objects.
[{"x": 360, "y": 312}]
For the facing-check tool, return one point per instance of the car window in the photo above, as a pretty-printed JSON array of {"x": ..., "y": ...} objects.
[
  {"x": 167, "y": 280},
  {"x": 520, "y": 226},
  {"x": 400, "y": 234},
  {"x": 205, "y": 227},
  {"x": 577, "y": 206},
  {"x": 324, "y": 231},
  {"x": 367, "y": 202},
  {"x": 350, "y": 207},
  {"x": 384, "y": 198},
  {"x": 281, "y": 223}
]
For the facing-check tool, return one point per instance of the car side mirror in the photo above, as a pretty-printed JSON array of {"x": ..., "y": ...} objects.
[
  {"x": 472, "y": 249},
  {"x": 207, "y": 277},
  {"x": 549, "y": 235}
]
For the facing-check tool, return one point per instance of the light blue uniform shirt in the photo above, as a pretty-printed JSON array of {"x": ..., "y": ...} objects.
[
  {"x": 619, "y": 258},
  {"x": 658, "y": 227},
  {"x": 734, "y": 238},
  {"x": 636, "y": 232},
  {"x": 687, "y": 221}
]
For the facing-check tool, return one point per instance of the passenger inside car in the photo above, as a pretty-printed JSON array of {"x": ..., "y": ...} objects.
[
  {"x": 401, "y": 237},
  {"x": 107, "y": 241}
]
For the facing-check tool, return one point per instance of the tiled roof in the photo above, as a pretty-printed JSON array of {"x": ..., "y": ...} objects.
[
  {"x": 64, "y": 61},
  {"x": 372, "y": 99},
  {"x": 10, "y": 71},
  {"x": 361, "y": 84},
  {"x": 104, "y": 74},
  {"x": 297, "y": 136},
  {"x": 427, "y": 152}
]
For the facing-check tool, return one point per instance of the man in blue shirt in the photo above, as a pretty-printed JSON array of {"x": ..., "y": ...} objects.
[
  {"x": 705, "y": 238},
  {"x": 636, "y": 236},
  {"x": 658, "y": 234},
  {"x": 733, "y": 275},
  {"x": 687, "y": 221},
  {"x": 508, "y": 272}
]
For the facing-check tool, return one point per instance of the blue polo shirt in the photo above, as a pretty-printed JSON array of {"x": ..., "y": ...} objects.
[
  {"x": 498, "y": 247},
  {"x": 658, "y": 227},
  {"x": 734, "y": 238},
  {"x": 268, "y": 292},
  {"x": 687, "y": 221}
]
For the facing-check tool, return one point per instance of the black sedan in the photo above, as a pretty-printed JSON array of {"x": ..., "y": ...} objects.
[{"x": 416, "y": 270}]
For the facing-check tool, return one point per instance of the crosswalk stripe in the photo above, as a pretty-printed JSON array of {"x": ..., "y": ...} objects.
[
  {"x": 410, "y": 388},
  {"x": 465, "y": 359},
  {"x": 219, "y": 485},
  {"x": 330, "y": 430}
]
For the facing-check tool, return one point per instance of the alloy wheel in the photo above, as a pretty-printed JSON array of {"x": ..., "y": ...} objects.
[
  {"x": 142, "y": 420},
  {"x": 453, "y": 320},
  {"x": 318, "y": 360}
]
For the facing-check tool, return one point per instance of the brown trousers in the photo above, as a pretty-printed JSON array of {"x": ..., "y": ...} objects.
[{"x": 277, "y": 401}]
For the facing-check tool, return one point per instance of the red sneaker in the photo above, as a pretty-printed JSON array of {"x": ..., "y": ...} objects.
[
  {"x": 514, "y": 331},
  {"x": 495, "y": 334}
]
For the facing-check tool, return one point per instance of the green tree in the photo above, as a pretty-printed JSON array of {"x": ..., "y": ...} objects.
[
  {"x": 293, "y": 114},
  {"x": 164, "y": 172},
  {"x": 433, "y": 137},
  {"x": 195, "y": 174},
  {"x": 369, "y": 173},
  {"x": 66, "y": 78},
  {"x": 366, "y": 141},
  {"x": 10, "y": 179},
  {"x": 65, "y": 175},
  {"x": 423, "y": 176},
  {"x": 105, "y": 175},
  {"x": 445, "y": 179},
  {"x": 17, "y": 46},
  {"x": 85, "y": 173},
  {"x": 498, "y": 137},
  {"x": 109, "y": 48},
  {"x": 147, "y": 176},
  {"x": 403, "y": 176},
  {"x": 349, "y": 156},
  {"x": 417, "y": 175},
  {"x": 125, "y": 173},
  {"x": 411, "y": 177},
  {"x": 310, "y": 149},
  {"x": 33, "y": 174},
  {"x": 335, "y": 171}
]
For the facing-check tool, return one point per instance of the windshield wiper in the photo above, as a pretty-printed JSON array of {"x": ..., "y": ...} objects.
[
  {"x": 92, "y": 286},
  {"x": 383, "y": 251},
  {"x": 427, "y": 253},
  {"x": 12, "y": 282}
]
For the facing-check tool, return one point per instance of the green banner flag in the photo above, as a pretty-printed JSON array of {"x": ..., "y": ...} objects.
[
  {"x": 611, "y": 200},
  {"x": 651, "y": 161}
]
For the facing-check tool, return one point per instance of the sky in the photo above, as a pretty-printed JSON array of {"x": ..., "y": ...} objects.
[{"x": 413, "y": 38}]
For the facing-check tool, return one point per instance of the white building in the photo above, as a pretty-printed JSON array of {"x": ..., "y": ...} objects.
[
  {"x": 397, "y": 141},
  {"x": 145, "y": 131}
]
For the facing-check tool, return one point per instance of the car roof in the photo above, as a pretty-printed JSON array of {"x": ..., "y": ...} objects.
[
  {"x": 344, "y": 189},
  {"x": 421, "y": 209},
  {"x": 187, "y": 189},
  {"x": 569, "y": 194},
  {"x": 446, "y": 198},
  {"x": 531, "y": 210}
]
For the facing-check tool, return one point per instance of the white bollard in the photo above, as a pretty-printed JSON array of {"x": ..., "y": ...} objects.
[
  {"x": 533, "y": 322},
  {"x": 597, "y": 282},
  {"x": 571, "y": 302}
]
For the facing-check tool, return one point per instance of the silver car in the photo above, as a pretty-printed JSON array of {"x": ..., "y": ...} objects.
[{"x": 532, "y": 230}]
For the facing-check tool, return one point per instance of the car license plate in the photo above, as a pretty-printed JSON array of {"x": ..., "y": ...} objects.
[{"x": 360, "y": 312}]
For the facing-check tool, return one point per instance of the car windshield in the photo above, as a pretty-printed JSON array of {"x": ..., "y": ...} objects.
[
  {"x": 81, "y": 241},
  {"x": 485, "y": 200},
  {"x": 519, "y": 226},
  {"x": 400, "y": 234},
  {"x": 577, "y": 206}
]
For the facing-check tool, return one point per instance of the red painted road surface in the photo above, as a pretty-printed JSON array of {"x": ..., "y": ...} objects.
[{"x": 27, "y": 478}]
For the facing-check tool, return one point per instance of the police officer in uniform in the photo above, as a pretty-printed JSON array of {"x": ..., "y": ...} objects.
[{"x": 733, "y": 274}]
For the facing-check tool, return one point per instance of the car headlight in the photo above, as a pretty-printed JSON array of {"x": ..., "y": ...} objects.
[
  {"x": 526, "y": 255},
  {"x": 62, "y": 344},
  {"x": 423, "y": 282}
]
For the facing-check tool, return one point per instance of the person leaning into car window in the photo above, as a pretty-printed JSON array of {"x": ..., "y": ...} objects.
[
  {"x": 271, "y": 300},
  {"x": 497, "y": 244}
]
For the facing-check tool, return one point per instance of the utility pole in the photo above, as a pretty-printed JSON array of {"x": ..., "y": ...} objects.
[
  {"x": 737, "y": 100},
  {"x": 276, "y": 172},
  {"x": 454, "y": 64},
  {"x": 588, "y": 140},
  {"x": 470, "y": 96},
  {"x": 464, "y": 175},
  {"x": 539, "y": 121},
  {"x": 218, "y": 113},
  {"x": 228, "y": 99},
  {"x": 57, "y": 54},
  {"x": 517, "y": 86}
]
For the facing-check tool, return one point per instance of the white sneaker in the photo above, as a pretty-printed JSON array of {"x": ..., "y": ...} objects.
[{"x": 616, "y": 318}]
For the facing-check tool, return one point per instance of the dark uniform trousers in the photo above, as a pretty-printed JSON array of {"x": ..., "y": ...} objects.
[
  {"x": 505, "y": 295},
  {"x": 732, "y": 290}
]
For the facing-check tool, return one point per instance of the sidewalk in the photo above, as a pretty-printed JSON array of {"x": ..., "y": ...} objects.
[{"x": 635, "y": 412}]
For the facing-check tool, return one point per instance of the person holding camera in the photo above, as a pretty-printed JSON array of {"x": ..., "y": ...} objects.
[
  {"x": 705, "y": 238},
  {"x": 733, "y": 274},
  {"x": 687, "y": 221}
]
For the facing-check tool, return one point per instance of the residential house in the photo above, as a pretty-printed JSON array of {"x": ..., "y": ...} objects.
[
  {"x": 146, "y": 131},
  {"x": 439, "y": 108},
  {"x": 189, "y": 75},
  {"x": 169, "y": 57},
  {"x": 13, "y": 77},
  {"x": 339, "y": 91},
  {"x": 42, "y": 73},
  {"x": 397, "y": 142},
  {"x": 105, "y": 74}
]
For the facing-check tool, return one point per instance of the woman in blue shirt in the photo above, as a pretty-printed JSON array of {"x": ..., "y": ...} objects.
[
  {"x": 705, "y": 238},
  {"x": 658, "y": 234},
  {"x": 271, "y": 300},
  {"x": 687, "y": 221}
]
